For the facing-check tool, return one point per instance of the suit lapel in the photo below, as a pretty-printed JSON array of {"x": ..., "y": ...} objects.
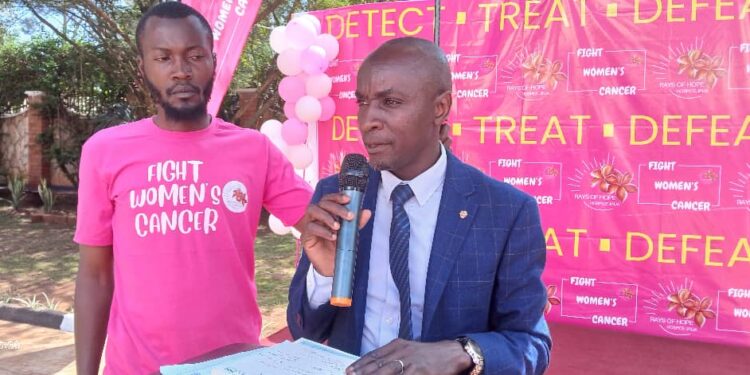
[
  {"x": 359, "y": 302},
  {"x": 455, "y": 216}
]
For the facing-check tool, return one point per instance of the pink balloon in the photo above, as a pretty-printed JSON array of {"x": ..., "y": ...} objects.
[
  {"x": 308, "y": 109},
  {"x": 328, "y": 108},
  {"x": 289, "y": 63},
  {"x": 300, "y": 156},
  {"x": 300, "y": 33},
  {"x": 310, "y": 19},
  {"x": 313, "y": 60},
  {"x": 318, "y": 85},
  {"x": 289, "y": 110},
  {"x": 294, "y": 132},
  {"x": 291, "y": 88},
  {"x": 329, "y": 43}
]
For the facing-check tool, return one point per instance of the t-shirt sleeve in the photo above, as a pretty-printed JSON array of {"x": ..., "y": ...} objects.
[
  {"x": 286, "y": 195},
  {"x": 95, "y": 208}
]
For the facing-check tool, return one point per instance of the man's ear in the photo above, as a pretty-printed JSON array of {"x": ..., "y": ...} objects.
[
  {"x": 443, "y": 105},
  {"x": 140, "y": 66}
]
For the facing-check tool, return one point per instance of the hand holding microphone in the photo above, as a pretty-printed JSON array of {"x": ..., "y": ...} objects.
[{"x": 329, "y": 235}]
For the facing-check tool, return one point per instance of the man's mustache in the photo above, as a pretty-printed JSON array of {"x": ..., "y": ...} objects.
[{"x": 185, "y": 87}]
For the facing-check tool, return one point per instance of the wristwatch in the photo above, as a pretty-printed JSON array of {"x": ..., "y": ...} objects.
[{"x": 475, "y": 352}]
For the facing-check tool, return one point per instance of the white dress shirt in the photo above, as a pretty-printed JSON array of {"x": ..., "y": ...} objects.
[{"x": 382, "y": 314}]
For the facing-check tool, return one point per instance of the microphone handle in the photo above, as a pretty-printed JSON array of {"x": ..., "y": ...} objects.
[{"x": 346, "y": 252}]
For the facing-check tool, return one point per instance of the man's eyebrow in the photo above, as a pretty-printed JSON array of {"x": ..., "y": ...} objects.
[
  {"x": 384, "y": 93},
  {"x": 165, "y": 49},
  {"x": 379, "y": 94}
]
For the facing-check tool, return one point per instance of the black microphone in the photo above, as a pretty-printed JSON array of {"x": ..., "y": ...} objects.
[{"x": 352, "y": 182}]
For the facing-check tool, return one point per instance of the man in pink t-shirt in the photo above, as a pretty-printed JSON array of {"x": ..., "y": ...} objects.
[{"x": 168, "y": 212}]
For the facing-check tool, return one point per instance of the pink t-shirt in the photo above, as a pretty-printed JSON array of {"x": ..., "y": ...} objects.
[{"x": 181, "y": 211}]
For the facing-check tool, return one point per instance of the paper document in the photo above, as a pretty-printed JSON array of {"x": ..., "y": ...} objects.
[{"x": 302, "y": 357}]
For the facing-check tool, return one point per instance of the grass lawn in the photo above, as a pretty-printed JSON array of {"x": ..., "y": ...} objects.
[
  {"x": 36, "y": 259},
  {"x": 42, "y": 258}
]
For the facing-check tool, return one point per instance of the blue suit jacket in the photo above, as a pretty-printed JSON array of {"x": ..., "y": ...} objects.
[{"x": 483, "y": 278}]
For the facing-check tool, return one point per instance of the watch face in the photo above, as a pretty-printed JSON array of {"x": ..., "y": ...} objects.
[
  {"x": 473, "y": 345},
  {"x": 475, "y": 352}
]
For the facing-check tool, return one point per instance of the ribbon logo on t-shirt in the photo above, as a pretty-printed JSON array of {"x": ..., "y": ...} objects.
[
  {"x": 178, "y": 186},
  {"x": 235, "y": 196}
]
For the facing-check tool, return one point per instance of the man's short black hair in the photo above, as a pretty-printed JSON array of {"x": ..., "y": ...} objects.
[{"x": 173, "y": 10}]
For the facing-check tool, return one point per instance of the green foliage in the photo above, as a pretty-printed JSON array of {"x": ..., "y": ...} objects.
[
  {"x": 17, "y": 187},
  {"x": 37, "y": 304},
  {"x": 80, "y": 97},
  {"x": 58, "y": 69},
  {"x": 47, "y": 196}
]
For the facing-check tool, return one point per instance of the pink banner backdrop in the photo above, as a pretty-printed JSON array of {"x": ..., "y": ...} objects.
[
  {"x": 627, "y": 120},
  {"x": 231, "y": 22}
]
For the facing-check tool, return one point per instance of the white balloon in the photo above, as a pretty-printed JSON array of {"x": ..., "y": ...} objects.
[
  {"x": 318, "y": 85},
  {"x": 272, "y": 130},
  {"x": 277, "y": 226},
  {"x": 329, "y": 43},
  {"x": 271, "y": 127},
  {"x": 278, "y": 39},
  {"x": 311, "y": 19},
  {"x": 288, "y": 62},
  {"x": 300, "y": 33},
  {"x": 308, "y": 109},
  {"x": 300, "y": 156}
]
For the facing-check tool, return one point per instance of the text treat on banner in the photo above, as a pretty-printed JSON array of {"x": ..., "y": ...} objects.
[{"x": 628, "y": 121}]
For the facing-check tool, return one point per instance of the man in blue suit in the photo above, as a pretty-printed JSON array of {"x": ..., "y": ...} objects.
[{"x": 447, "y": 278}]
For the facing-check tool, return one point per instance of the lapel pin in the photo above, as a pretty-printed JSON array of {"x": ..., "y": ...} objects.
[{"x": 463, "y": 214}]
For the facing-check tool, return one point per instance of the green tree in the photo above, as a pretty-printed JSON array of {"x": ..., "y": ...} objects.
[{"x": 79, "y": 98}]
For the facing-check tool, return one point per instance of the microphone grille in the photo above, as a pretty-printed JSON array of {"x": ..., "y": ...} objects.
[{"x": 354, "y": 172}]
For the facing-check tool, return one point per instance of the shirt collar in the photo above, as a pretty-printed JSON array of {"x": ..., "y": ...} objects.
[{"x": 423, "y": 185}]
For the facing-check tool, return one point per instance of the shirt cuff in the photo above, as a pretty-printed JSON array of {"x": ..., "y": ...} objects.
[{"x": 319, "y": 288}]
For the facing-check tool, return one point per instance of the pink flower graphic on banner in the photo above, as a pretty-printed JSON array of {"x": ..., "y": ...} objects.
[
  {"x": 636, "y": 60},
  {"x": 487, "y": 65},
  {"x": 539, "y": 70},
  {"x": 551, "y": 172},
  {"x": 700, "y": 66},
  {"x": 531, "y": 67},
  {"x": 709, "y": 71},
  {"x": 709, "y": 176},
  {"x": 627, "y": 293},
  {"x": 552, "y": 300},
  {"x": 689, "y": 306},
  {"x": 701, "y": 311},
  {"x": 551, "y": 74},
  {"x": 601, "y": 177},
  {"x": 611, "y": 181},
  {"x": 688, "y": 61},
  {"x": 678, "y": 301},
  {"x": 619, "y": 184}
]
